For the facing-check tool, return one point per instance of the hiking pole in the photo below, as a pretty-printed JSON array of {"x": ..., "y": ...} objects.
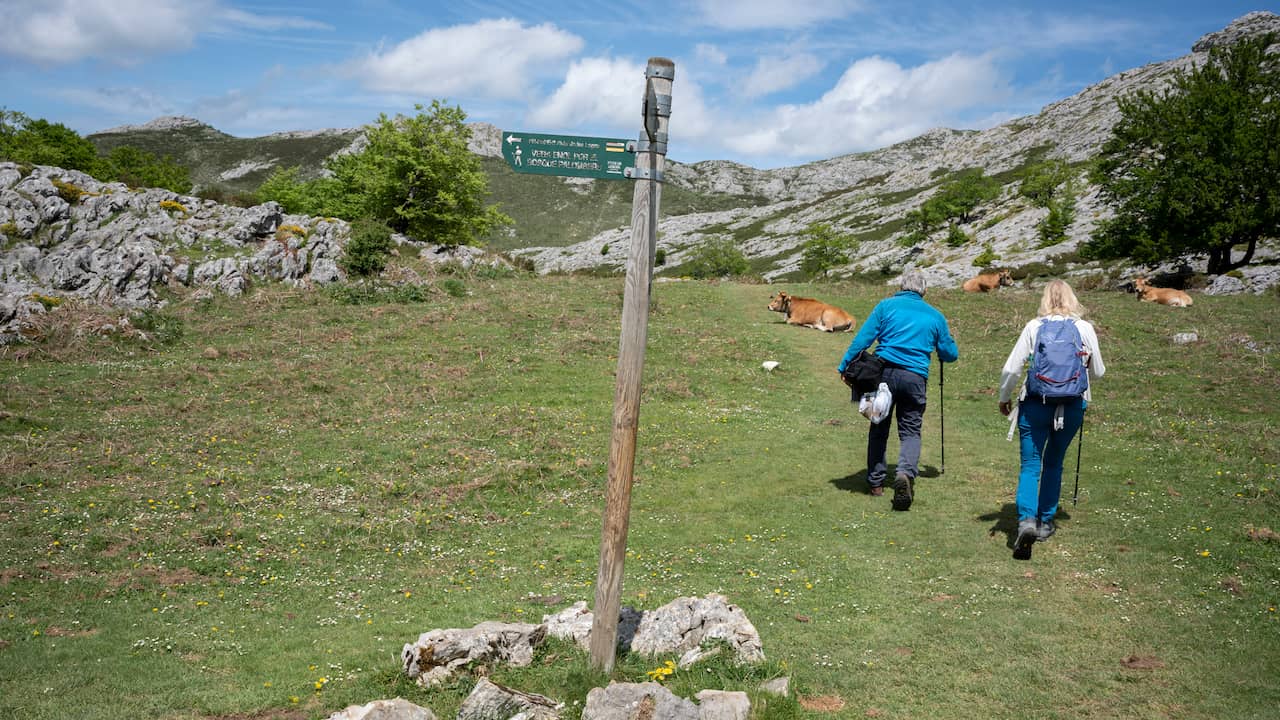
[
  {"x": 942, "y": 413},
  {"x": 1075, "y": 494}
]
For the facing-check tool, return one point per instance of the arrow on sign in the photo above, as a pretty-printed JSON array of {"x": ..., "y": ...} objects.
[{"x": 513, "y": 138}]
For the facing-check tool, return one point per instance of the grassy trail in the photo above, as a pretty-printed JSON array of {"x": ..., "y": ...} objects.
[{"x": 251, "y": 520}]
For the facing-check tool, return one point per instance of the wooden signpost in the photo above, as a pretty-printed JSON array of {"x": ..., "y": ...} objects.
[
  {"x": 643, "y": 159},
  {"x": 650, "y": 155}
]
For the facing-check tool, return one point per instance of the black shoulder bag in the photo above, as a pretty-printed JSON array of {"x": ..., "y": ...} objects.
[{"x": 863, "y": 373}]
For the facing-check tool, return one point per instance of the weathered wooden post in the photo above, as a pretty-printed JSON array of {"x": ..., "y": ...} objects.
[{"x": 651, "y": 152}]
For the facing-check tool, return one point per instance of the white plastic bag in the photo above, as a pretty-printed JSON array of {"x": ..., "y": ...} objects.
[{"x": 876, "y": 406}]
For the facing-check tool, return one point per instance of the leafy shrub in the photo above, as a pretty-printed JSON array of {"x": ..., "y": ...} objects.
[
  {"x": 493, "y": 272},
  {"x": 10, "y": 229},
  {"x": 69, "y": 192},
  {"x": 367, "y": 250},
  {"x": 1062, "y": 212},
  {"x": 986, "y": 258},
  {"x": 455, "y": 288},
  {"x": 604, "y": 249},
  {"x": 138, "y": 168},
  {"x": 284, "y": 232},
  {"x": 1032, "y": 270},
  {"x": 48, "y": 301},
  {"x": 174, "y": 206},
  {"x": 162, "y": 327},
  {"x": 717, "y": 258},
  {"x": 957, "y": 237},
  {"x": 376, "y": 294},
  {"x": 660, "y": 257}
]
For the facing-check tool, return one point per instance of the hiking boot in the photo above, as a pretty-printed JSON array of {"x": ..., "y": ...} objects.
[
  {"x": 1046, "y": 531},
  {"x": 1028, "y": 532},
  {"x": 902, "y": 492},
  {"x": 877, "y": 490}
]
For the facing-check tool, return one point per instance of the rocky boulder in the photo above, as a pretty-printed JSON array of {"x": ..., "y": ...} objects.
[
  {"x": 397, "y": 709},
  {"x": 490, "y": 701},
  {"x": 438, "y": 653},
  {"x": 682, "y": 627}
]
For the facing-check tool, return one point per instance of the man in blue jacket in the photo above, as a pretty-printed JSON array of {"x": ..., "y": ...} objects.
[{"x": 905, "y": 329}]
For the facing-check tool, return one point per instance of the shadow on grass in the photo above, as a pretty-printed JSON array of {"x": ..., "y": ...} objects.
[
  {"x": 1005, "y": 520},
  {"x": 857, "y": 482}
]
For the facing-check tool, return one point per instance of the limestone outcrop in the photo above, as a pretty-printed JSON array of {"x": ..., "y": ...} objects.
[{"x": 64, "y": 235}]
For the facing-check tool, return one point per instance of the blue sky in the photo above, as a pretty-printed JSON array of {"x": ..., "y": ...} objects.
[{"x": 767, "y": 83}]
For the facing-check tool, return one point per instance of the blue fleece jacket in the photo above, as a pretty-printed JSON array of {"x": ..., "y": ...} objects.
[{"x": 906, "y": 329}]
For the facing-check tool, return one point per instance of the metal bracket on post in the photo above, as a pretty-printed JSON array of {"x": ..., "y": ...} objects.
[
  {"x": 659, "y": 145},
  {"x": 643, "y": 173}
]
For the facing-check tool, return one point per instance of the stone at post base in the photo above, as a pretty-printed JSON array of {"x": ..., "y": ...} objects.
[
  {"x": 397, "y": 709},
  {"x": 438, "y": 653},
  {"x": 491, "y": 701},
  {"x": 723, "y": 705},
  {"x": 681, "y": 627},
  {"x": 637, "y": 701}
]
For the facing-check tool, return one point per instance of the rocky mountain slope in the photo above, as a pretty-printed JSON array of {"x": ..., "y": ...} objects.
[
  {"x": 867, "y": 195},
  {"x": 63, "y": 234}
]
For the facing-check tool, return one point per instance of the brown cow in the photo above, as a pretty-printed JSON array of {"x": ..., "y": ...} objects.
[
  {"x": 1165, "y": 296},
  {"x": 988, "y": 281},
  {"x": 811, "y": 313}
]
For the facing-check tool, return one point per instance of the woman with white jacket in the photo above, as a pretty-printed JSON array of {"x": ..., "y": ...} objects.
[{"x": 1045, "y": 427}]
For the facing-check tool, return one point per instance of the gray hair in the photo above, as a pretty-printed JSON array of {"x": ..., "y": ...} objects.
[{"x": 913, "y": 280}]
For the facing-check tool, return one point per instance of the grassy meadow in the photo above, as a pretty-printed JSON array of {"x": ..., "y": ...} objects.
[{"x": 249, "y": 520}]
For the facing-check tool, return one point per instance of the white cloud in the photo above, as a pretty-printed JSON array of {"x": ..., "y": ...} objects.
[
  {"x": 772, "y": 74},
  {"x": 608, "y": 93},
  {"x": 710, "y": 54},
  {"x": 128, "y": 102},
  {"x": 240, "y": 18},
  {"x": 62, "y": 31},
  {"x": 595, "y": 90},
  {"x": 765, "y": 14},
  {"x": 492, "y": 58},
  {"x": 126, "y": 32},
  {"x": 877, "y": 103}
]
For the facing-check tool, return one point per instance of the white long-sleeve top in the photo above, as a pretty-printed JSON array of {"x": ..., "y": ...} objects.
[{"x": 1014, "y": 367}]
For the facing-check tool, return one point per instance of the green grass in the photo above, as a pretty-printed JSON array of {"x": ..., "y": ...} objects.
[{"x": 184, "y": 535}]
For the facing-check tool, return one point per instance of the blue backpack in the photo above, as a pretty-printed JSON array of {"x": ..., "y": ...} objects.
[{"x": 1057, "y": 373}]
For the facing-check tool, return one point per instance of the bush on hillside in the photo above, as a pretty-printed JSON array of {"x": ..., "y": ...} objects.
[
  {"x": 717, "y": 258},
  {"x": 366, "y": 252}
]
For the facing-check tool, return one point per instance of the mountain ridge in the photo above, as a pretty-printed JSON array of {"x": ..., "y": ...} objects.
[{"x": 568, "y": 224}]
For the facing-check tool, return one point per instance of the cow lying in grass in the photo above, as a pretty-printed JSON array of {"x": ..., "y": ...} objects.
[
  {"x": 811, "y": 313},
  {"x": 1165, "y": 296},
  {"x": 988, "y": 281}
]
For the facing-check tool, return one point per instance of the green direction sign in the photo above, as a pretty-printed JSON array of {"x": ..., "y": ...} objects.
[{"x": 570, "y": 155}]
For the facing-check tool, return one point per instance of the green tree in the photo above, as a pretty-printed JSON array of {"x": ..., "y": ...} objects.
[
  {"x": 824, "y": 250},
  {"x": 717, "y": 258},
  {"x": 958, "y": 198},
  {"x": 323, "y": 196},
  {"x": 1041, "y": 181},
  {"x": 40, "y": 142},
  {"x": 1195, "y": 168},
  {"x": 139, "y": 168},
  {"x": 1062, "y": 212},
  {"x": 417, "y": 175}
]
